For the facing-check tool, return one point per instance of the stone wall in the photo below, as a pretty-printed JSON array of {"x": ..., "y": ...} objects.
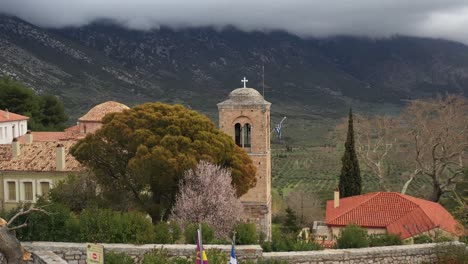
[
  {"x": 75, "y": 253},
  {"x": 414, "y": 254}
]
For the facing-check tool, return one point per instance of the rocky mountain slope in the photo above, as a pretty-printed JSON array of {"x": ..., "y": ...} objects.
[{"x": 306, "y": 79}]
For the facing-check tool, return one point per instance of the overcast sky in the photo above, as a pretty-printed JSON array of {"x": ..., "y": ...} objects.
[{"x": 375, "y": 18}]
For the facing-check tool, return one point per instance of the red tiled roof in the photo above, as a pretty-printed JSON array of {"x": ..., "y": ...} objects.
[
  {"x": 398, "y": 213},
  {"x": 99, "y": 111},
  {"x": 75, "y": 128},
  {"x": 37, "y": 156},
  {"x": 44, "y": 136},
  {"x": 11, "y": 117}
]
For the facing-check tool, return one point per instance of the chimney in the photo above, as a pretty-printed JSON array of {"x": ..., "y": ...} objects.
[
  {"x": 336, "y": 200},
  {"x": 29, "y": 137},
  {"x": 60, "y": 157},
  {"x": 15, "y": 145},
  {"x": 7, "y": 114}
]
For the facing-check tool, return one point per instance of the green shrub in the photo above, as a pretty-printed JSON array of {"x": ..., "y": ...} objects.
[
  {"x": 265, "y": 261},
  {"x": 353, "y": 236},
  {"x": 305, "y": 246},
  {"x": 176, "y": 231},
  {"x": 216, "y": 256},
  {"x": 246, "y": 234},
  {"x": 191, "y": 234},
  {"x": 107, "y": 226},
  {"x": 287, "y": 242},
  {"x": 111, "y": 257},
  {"x": 422, "y": 239},
  {"x": 160, "y": 256},
  {"x": 163, "y": 233},
  {"x": 381, "y": 240},
  {"x": 58, "y": 225}
]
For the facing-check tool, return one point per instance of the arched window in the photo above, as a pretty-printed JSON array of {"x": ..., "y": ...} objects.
[
  {"x": 238, "y": 134},
  {"x": 247, "y": 131},
  {"x": 242, "y": 135}
]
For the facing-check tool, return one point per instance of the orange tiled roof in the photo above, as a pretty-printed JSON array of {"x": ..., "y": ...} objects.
[
  {"x": 37, "y": 156},
  {"x": 44, "y": 136},
  {"x": 11, "y": 117},
  {"x": 398, "y": 213},
  {"x": 99, "y": 111}
]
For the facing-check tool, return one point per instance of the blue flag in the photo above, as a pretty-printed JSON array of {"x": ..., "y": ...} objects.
[{"x": 233, "y": 255}]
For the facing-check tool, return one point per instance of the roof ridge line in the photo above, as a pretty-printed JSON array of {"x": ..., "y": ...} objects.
[{"x": 417, "y": 206}]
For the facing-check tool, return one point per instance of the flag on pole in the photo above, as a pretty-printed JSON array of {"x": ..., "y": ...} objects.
[
  {"x": 201, "y": 254},
  {"x": 233, "y": 255},
  {"x": 279, "y": 127}
]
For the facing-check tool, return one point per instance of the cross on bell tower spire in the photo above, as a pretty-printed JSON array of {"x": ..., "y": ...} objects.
[{"x": 245, "y": 82}]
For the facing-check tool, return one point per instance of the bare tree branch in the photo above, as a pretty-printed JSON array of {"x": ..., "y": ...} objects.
[{"x": 22, "y": 212}]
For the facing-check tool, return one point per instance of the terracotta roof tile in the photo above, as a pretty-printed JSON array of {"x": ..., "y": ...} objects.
[
  {"x": 11, "y": 117},
  {"x": 37, "y": 156},
  {"x": 99, "y": 111},
  {"x": 400, "y": 214}
]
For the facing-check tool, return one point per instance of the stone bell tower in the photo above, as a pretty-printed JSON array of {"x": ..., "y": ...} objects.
[{"x": 245, "y": 116}]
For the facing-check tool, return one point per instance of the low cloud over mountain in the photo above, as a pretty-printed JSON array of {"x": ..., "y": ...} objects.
[{"x": 429, "y": 18}]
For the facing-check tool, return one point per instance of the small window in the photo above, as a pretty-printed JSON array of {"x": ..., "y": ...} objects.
[
  {"x": 12, "y": 191},
  {"x": 247, "y": 131},
  {"x": 45, "y": 187},
  {"x": 238, "y": 134},
  {"x": 1, "y": 132},
  {"x": 28, "y": 191}
]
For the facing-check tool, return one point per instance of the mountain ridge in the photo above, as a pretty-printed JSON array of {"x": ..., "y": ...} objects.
[{"x": 308, "y": 79}]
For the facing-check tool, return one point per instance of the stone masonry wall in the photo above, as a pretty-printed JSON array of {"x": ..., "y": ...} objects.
[{"x": 75, "y": 253}]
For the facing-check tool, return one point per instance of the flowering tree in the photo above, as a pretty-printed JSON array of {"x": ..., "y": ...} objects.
[{"x": 206, "y": 195}]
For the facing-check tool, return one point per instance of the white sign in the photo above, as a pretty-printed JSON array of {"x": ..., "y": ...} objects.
[{"x": 94, "y": 253}]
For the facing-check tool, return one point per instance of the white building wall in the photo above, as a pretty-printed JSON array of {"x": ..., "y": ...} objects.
[{"x": 12, "y": 129}]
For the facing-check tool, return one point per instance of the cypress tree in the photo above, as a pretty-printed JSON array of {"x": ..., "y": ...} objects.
[{"x": 350, "y": 177}]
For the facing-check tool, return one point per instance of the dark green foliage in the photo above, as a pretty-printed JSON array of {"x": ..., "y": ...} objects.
[
  {"x": 281, "y": 241},
  {"x": 216, "y": 256},
  {"x": 191, "y": 234},
  {"x": 167, "y": 233},
  {"x": 111, "y": 257},
  {"x": 291, "y": 223},
  {"x": 107, "y": 226},
  {"x": 381, "y": 240},
  {"x": 46, "y": 112},
  {"x": 152, "y": 145},
  {"x": 59, "y": 225},
  {"x": 246, "y": 234},
  {"x": 160, "y": 256},
  {"x": 265, "y": 261},
  {"x": 350, "y": 178},
  {"x": 352, "y": 236},
  {"x": 422, "y": 239},
  {"x": 92, "y": 225},
  {"x": 77, "y": 192}
]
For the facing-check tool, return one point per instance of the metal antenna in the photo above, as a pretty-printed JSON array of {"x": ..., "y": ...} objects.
[{"x": 263, "y": 80}]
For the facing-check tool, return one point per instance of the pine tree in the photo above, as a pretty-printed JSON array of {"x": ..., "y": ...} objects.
[{"x": 350, "y": 177}]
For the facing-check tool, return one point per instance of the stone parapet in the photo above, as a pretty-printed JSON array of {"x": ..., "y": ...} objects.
[{"x": 75, "y": 253}]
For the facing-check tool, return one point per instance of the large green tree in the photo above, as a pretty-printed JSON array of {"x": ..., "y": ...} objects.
[
  {"x": 350, "y": 177},
  {"x": 143, "y": 153},
  {"x": 46, "y": 112}
]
